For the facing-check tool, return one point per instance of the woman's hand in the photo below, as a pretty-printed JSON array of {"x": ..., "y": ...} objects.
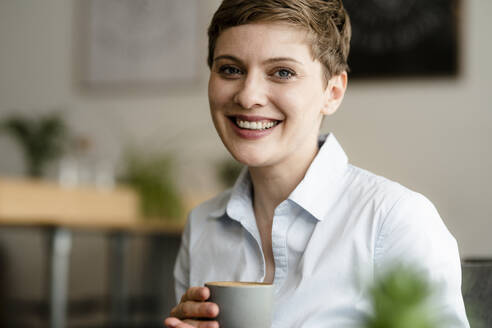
[{"x": 192, "y": 308}]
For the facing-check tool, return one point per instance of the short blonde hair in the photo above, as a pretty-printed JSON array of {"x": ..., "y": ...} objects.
[{"x": 326, "y": 21}]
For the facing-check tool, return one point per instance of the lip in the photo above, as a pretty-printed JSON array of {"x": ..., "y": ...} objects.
[
  {"x": 251, "y": 134},
  {"x": 252, "y": 118}
]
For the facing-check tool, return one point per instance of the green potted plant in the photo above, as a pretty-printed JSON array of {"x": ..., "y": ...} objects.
[
  {"x": 151, "y": 176},
  {"x": 41, "y": 139}
]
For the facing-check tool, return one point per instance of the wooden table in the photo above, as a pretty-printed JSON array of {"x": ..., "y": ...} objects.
[
  {"x": 59, "y": 211},
  {"x": 59, "y": 249}
]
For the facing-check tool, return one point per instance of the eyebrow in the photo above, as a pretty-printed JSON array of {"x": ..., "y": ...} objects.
[{"x": 268, "y": 61}]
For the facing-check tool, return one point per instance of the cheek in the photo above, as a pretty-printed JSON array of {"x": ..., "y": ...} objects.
[
  {"x": 287, "y": 99},
  {"x": 212, "y": 94},
  {"x": 218, "y": 95},
  {"x": 299, "y": 102}
]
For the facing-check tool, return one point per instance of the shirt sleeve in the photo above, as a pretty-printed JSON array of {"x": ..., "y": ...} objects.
[
  {"x": 414, "y": 234},
  {"x": 182, "y": 265}
]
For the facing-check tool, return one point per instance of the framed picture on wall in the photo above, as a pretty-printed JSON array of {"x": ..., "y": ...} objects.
[
  {"x": 399, "y": 38},
  {"x": 140, "y": 42}
]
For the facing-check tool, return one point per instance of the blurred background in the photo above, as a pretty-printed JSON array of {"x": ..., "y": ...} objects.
[{"x": 116, "y": 93}]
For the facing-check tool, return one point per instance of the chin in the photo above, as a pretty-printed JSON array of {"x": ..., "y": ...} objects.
[
  {"x": 250, "y": 159},
  {"x": 256, "y": 162},
  {"x": 252, "y": 153}
]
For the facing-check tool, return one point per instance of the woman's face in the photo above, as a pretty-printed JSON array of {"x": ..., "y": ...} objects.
[{"x": 268, "y": 95}]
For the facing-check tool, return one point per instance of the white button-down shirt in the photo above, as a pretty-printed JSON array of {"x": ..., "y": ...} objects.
[{"x": 335, "y": 233}]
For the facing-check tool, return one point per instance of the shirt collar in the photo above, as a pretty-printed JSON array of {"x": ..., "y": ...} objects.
[
  {"x": 239, "y": 198},
  {"x": 318, "y": 190},
  {"x": 316, "y": 193},
  {"x": 240, "y": 204}
]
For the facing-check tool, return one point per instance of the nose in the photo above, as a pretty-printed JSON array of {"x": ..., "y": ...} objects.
[{"x": 252, "y": 92}]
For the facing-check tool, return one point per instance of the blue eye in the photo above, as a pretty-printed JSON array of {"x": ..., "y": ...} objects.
[
  {"x": 229, "y": 70},
  {"x": 284, "y": 74}
]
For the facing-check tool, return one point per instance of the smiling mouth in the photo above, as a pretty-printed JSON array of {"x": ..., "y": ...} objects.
[{"x": 258, "y": 125}]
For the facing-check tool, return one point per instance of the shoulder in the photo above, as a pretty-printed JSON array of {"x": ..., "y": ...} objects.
[
  {"x": 395, "y": 201},
  {"x": 407, "y": 224},
  {"x": 371, "y": 181},
  {"x": 369, "y": 189},
  {"x": 414, "y": 214},
  {"x": 396, "y": 209}
]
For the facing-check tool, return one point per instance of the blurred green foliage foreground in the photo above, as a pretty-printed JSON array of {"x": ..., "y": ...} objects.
[{"x": 402, "y": 299}]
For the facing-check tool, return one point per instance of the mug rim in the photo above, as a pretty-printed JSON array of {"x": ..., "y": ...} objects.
[{"x": 241, "y": 284}]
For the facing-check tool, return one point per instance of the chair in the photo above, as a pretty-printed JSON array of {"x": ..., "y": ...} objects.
[{"x": 477, "y": 291}]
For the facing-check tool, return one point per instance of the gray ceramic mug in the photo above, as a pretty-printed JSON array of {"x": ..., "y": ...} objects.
[{"x": 242, "y": 304}]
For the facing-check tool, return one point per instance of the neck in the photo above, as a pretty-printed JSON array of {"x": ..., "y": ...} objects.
[{"x": 273, "y": 184}]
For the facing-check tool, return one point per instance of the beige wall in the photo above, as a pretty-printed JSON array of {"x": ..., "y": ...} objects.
[{"x": 431, "y": 135}]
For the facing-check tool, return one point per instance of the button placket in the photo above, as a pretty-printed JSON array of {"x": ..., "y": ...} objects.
[
  {"x": 279, "y": 242},
  {"x": 255, "y": 234}
]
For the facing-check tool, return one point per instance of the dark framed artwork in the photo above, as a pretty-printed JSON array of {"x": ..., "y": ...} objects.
[
  {"x": 400, "y": 38},
  {"x": 140, "y": 43}
]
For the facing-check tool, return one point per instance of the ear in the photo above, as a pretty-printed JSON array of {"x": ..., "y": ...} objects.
[{"x": 334, "y": 93}]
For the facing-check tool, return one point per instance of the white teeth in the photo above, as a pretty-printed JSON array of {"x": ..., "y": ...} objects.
[{"x": 257, "y": 125}]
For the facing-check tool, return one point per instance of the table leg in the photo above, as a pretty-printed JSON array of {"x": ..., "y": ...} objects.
[
  {"x": 118, "y": 280},
  {"x": 60, "y": 241},
  {"x": 158, "y": 283}
]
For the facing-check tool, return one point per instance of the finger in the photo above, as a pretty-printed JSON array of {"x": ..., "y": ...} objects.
[
  {"x": 172, "y": 322},
  {"x": 176, "y": 323},
  {"x": 201, "y": 324},
  {"x": 192, "y": 309},
  {"x": 196, "y": 294}
]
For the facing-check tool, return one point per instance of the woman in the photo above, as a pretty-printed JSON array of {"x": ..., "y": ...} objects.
[{"x": 299, "y": 216}]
